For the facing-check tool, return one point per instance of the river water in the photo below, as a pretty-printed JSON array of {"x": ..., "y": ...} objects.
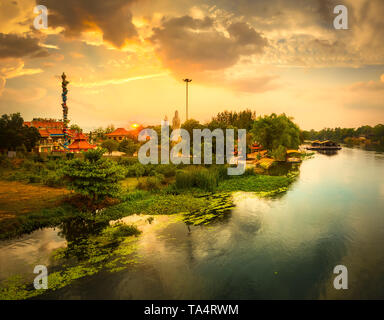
[{"x": 282, "y": 248}]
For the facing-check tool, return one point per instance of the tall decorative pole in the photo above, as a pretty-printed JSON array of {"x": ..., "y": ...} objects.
[
  {"x": 186, "y": 98},
  {"x": 64, "y": 84}
]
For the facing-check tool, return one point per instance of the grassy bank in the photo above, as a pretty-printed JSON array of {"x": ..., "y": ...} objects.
[{"x": 201, "y": 193}]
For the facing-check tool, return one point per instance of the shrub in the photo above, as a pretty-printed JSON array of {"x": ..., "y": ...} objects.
[
  {"x": 70, "y": 156},
  {"x": 33, "y": 178},
  {"x": 127, "y": 161},
  {"x": 137, "y": 170},
  {"x": 168, "y": 170},
  {"x": 5, "y": 162},
  {"x": 94, "y": 177},
  {"x": 53, "y": 179},
  {"x": 152, "y": 183},
  {"x": 201, "y": 178},
  {"x": 184, "y": 179},
  {"x": 134, "y": 195},
  {"x": 206, "y": 179}
]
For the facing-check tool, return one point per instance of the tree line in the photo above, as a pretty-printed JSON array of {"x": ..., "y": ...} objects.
[{"x": 374, "y": 134}]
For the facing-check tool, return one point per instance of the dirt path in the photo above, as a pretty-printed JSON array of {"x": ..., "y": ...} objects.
[{"x": 18, "y": 198}]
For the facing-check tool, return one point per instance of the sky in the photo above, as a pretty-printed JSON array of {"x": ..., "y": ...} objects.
[{"x": 125, "y": 60}]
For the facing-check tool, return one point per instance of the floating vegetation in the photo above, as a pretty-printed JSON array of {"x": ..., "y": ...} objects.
[
  {"x": 112, "y": 250},
  {"x": 219, "y": 206},
  {"x": 263, "y": 184}
]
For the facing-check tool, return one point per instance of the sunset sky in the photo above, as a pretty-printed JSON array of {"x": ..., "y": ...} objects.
[{"x": 125, "y": 60}]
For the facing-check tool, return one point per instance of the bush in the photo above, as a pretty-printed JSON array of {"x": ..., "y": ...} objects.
[
  {"x": 201, "y": 178},
  {"x": 206, "y": 179},
  {"x": 134, "y": 195},
  {"x": 53, "y": 179},
  {"x": 94, "y": 177},
  {"x": 152, "y": 183},
  {"x": 33, "y": 178},
  {"x": 127, "y": 161},
  {"x": 5, "y": 162},
  {"x": 70, "y": 156},
  {"x": 168, "y": 170},
  {"x": 184, "y": 180}
]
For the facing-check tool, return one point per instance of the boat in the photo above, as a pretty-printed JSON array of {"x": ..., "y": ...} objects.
[{"x": 323, "y": 145}]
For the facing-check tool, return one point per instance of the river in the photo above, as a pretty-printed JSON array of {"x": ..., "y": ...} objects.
[{"x": 281, "y": 248}]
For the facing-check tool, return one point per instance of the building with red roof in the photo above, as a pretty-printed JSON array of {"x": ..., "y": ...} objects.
[
  {"x": 80, "y": 144},
  {"x": 51, "y": 132},
  {"x": 119, "y": 134}
]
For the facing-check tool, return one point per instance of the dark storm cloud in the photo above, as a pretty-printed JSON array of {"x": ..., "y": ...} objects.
[
  {"x": 17, "y": 46},
  {"x": 188, "y": 44},
  {"x": 112, "y": 17}
]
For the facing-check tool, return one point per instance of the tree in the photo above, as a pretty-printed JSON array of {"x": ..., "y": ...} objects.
[
  {"x": 110, "y": 145},
  {"x": 76, "y": 128},
  {"x": 274, "y": 131},
  {"x": 14, "y": 134},
  {"x": 110, "y": 128},
  {"x": 93, "y": 177},
  {"x": 191, "y": 124},
  {"x": 241, "y": 120},
  {"x": 128, "y": 146}
]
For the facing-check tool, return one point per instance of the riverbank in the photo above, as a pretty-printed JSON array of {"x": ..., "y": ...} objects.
[{"x": 167, "y": 200}]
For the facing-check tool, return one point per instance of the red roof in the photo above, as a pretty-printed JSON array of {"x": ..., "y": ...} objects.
[
  {"x": 119, "y": 132},
  {"x": 44, "y": 124},
  {"x": 46, "y": 132},
  {"x": 81, "y": 143}
]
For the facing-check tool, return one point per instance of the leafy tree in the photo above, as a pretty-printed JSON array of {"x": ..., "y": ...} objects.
[
  {"x": 128, "y": 146},
  {"x": 241, "y": 120},
  {"x": 110, "y": 128},
  {"x": 93, "y": 177},
  {"x": 76, "y": 128},
  {"x": 274, "y": 131},
  {"x": 14, "y": 134},
  {"x": 191, "y": 124},
  {"x": 110, "y": 145}
]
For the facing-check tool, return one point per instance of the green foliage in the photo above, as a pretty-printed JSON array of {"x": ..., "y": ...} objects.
[
  {"x": 76, "y": 128},
  {"x": 241, "y": 120},
  {"x": 375, "y": 134},
  {"x": 157, "y": 204},
  {"x": 93, "y": 177},
  {"x": 151, "y": 183},
  {"x": 279, "y": 153},
  {"x": 128, "y": 146},
  {"x": 274, "y": 131},
  {"x": 70, "y": 156},
  {"x": 127, "y": 161},
  {"x": 200, "y": 178},
  {"x": 218, "y": 208},
  {"x": 191, "y": 124},
  {"x": 168, "y": 170},
  {"x": 258, "y": 183},
  {"x": 110, "y": 145},
  {"x": 94, "y": 155},
  {"x": 14, "y": 134}
]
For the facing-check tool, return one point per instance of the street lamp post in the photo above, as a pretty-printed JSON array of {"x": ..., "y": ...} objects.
[{"x": 186, "y": 98}]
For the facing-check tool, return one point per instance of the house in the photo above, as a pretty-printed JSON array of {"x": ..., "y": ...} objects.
[
  {"x": 119, "y": 134},
  {"x": 51, "y": 132}
]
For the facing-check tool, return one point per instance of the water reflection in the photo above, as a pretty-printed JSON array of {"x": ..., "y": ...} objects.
[{"x": 281, "y": 248}]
